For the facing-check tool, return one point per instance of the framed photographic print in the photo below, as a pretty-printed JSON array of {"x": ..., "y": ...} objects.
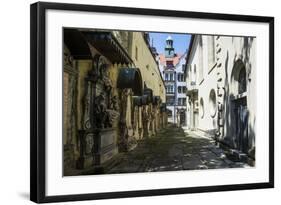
[{"x": 129, "y": 102}]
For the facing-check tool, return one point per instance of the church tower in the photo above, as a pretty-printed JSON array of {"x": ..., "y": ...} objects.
[{"x": 169, "y": 49}]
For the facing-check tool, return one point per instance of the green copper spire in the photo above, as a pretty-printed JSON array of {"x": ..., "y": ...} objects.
[{"x": 169, "y": 49}]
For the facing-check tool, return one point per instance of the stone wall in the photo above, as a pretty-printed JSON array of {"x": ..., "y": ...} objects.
[
  {"x": 100, "y": 116},
  {"x": 219, "y": 102}
]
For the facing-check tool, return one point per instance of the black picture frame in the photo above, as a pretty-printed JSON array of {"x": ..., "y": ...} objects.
[{"x": 38, "y": 100}]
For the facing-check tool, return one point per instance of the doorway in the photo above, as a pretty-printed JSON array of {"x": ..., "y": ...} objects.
[
  {"x": 182, "y": 118},
  {"x": 241, "y": 118}
]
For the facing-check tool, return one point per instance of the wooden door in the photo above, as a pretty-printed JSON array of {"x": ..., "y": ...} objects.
[{"x": 241, "y": 112}]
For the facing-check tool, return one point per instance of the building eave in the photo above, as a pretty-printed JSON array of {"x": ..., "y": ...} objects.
[
  {"x": 192, "y": 40},
  {"x": 108, "y": 45}
]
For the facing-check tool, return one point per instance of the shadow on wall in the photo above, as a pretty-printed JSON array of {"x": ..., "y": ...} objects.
[
  {"x": 230, "y": 122},
  {"x": 226, "y": 95},
  {"x": 214, "y": 122},
  {"x": 246, "y": 52}
]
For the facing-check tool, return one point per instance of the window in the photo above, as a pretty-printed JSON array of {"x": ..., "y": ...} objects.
[
  {"x": 170, "y": 89},
  {"x": 181, "y": 89},
  {"x": 242, "y": 81},
  {"x": 184, "y": 102},
  {"x": 211, "y": 51},
  {"x": 166, "y": 76},
  {"x": 181, "y": 101},
  {"x": 212, "y": 102},
  {"x": 171, "y": 76},
  {"x": 183, "y": 67},
  {"x": 180, "y": 77},
  {"x": 238, "y": 78},
  {"x": 184, "y": 89},
  {"x": 170, "y": 100}
]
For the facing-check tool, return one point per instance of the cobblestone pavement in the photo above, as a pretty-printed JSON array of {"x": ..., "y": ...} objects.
[{"x": 173, "y": 149}]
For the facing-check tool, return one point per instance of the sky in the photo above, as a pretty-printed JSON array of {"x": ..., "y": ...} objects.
[{"x": 181, "y": 41}]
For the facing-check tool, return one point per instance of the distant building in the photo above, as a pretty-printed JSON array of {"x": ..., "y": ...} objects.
[
  {"x": 221, "y": 89},
  {"x": 171, "y": 66}
]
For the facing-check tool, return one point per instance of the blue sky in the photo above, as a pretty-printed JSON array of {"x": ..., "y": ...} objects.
[{"x": 181, "y": 41}]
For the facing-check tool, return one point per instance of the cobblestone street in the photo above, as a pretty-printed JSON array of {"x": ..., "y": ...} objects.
[{"x": 173, "y": 149}]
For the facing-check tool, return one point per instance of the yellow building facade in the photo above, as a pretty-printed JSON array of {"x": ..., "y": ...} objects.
[
  {"x": 113, "y": 97},
  {"x": 149, "y": 67}
]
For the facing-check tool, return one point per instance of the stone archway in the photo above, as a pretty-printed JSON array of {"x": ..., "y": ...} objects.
[
  {"x": 240, "y": 112},
  {"x": 238, "y": 82}
]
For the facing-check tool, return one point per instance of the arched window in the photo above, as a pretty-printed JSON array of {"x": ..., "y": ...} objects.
[
  {"x": 213, "y": 103},
  {"x": 238, "y": 78},
  {"x": 242, "y": 81}
]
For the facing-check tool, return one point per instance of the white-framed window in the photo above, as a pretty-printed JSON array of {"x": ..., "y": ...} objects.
[
  {"x": 181, "y": 101},
  {"x": 180, "y": 77},
  {"x": 166, "y": 76},
  {"x": 170, "y": 89},
  {"x": 171, "y": 76},
  {"x": 179, "y": 89}
]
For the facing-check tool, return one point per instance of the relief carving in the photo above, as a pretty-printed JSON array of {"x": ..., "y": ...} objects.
[
  {"x": 67, "y": 58},
  {"x": 100, "y": 107},
  {"x": 100, "y": 111},
  {"x": 87, "y": 103},
  {"x": 126, "y": 140},
  {"x": 70, "y": 122}
]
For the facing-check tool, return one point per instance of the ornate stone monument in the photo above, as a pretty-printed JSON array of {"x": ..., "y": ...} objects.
[{"x": 98, "y": 138}]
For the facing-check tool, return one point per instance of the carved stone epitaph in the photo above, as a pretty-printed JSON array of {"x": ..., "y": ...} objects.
[
  {"x": 98, "y": 137},
  {"x": 70, "y": 124}
]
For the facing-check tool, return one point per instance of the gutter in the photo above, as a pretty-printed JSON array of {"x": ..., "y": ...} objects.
[{"x": 189, "y": 51}]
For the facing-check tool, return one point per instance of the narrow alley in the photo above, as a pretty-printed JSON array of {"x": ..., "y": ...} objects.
[{"x": 173, "y": 149}]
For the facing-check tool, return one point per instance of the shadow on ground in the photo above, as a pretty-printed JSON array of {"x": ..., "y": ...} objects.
[{"x": 173, "y": 149}]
